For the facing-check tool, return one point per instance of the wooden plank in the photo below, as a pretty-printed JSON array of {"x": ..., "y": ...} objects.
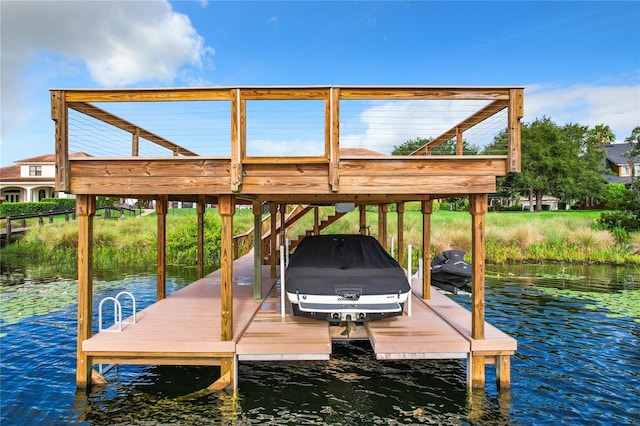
[
  {"x": 426, "y": 166},
  {"x": 423, "y": 335},
  {"x": 286, "y": 93},
  {"x": 270, "y": 336},
  {"x": 151, "y": 167},
  {"x": 495, "y": 340},
  {"x": 398, "y": 92},
  {"x": 402, "y": 185},
  {"x": 120, "y": 123},
  {"x": 147, "y": 95},
  {"x": 182, "y": 329}
]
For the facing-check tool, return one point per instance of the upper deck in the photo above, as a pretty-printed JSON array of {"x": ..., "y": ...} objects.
[{"x": 284, "y": 144}]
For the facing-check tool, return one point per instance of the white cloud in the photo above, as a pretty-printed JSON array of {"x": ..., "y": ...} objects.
[
  {"x": 121, "y": 43},
  {"x": 586, "y": 104}
]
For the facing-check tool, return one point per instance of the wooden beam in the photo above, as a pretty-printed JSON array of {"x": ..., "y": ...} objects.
[
  {"x": 316, "y": 221},
  {"x": 200, "y": 211},
  {"x": 486, "y": 112},
  {"x": 478, "y": 210},
  {"x": 427, "y": 209},
  {"x": 60, "y": 116},
  {"x": 459, "y": 142},
  {"x": 147, "y": 95},
  {"x": 257, "y": 250},
  {"x": 435, "y": 93},
  {"x": 122, "y": 124},
  {"x": 162, "y": 204},
  {"x": 516, "y": 112},
  {"x": 227, "y": 207},
  {"x": 85, "y": 211},
  {"x": 400, "y": 213}
]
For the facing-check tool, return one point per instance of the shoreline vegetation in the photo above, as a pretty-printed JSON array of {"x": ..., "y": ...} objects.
[{"x": 511, "y": 237}]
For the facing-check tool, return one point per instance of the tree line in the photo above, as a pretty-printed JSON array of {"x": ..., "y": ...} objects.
[{"x": 564, "y": 161}]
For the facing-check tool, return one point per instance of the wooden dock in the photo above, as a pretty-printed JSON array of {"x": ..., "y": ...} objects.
[
  {"x": 183, "y": 329},
  {"x": 144, "y": 164}
]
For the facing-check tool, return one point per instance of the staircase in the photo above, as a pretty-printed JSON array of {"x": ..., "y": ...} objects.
[{"x": 297, "y": 213}]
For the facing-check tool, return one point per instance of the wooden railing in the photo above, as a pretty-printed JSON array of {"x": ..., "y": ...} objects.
[{"x": 497, "y": 99}]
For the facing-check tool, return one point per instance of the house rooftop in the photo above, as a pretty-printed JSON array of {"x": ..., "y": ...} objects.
[{"x": 616, "y": 151}]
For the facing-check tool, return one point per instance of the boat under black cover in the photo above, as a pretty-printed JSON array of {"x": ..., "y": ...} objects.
[
  {"x": 450, "y": 272},
  {"x": 345, "y": 278}
]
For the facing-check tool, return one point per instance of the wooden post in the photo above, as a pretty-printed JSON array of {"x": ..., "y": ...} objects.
[
  {"x": 459, "y": 142},
  {"x": 257, "y": 250},
  {"x": 200, "y": 211},
  {"x": 273, "y": 250},
  {"x": 162, "y": 204},
  {"x": 316, "y": 221},
  {"x": 227, "y": 206},
  {"x": 135, "y": 142},
  {"x": 382, "y": 225},
  {"x": 503, "y": 371},
  {"x": 478, "y": 210},
  {"x": 283, "y": 228},
  {"x": 86, "y": 209},
  {"x": 427, "y": 209},
  {"x": 516, "y": 112},
  {"x": 363, "y": 219},
  {"x": 400, "y": 211}
]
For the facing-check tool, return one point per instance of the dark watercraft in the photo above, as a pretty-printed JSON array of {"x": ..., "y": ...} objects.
[
  {"x": 450, "y": 272},
  {"x": 345, "y": 278}
]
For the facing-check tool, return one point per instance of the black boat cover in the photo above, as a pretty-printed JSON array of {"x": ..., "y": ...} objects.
[{"x": 329, "y": 264}]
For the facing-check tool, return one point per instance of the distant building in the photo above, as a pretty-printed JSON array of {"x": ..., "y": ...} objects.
[
  {"x": 31, "y": 179},
  {"x": 619, "y": 165}
]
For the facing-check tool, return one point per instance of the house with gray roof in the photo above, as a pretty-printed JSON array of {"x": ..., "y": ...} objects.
[{"x": 622, "y": 168}]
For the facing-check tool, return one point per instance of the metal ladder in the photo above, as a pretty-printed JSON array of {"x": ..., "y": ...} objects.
[{"x": 117, "y": 314}]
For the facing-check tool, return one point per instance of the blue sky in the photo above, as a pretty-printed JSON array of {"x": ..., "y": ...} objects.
[{"x": 578, "y": 61}]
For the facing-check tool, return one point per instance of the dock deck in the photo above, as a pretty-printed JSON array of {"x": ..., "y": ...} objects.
[{"x": 184, "y": 329}]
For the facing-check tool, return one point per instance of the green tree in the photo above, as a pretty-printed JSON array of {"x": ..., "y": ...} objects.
[{"x": 565, "y": 162}]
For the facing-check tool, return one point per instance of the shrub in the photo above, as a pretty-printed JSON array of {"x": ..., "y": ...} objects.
[
  {"x": 627, "y": 220},
  {"x": 61, "y": 203},
  {"x": 16, "y": 209}
]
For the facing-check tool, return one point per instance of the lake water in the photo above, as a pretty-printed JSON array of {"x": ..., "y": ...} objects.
[{"x": 578, "y": 362}]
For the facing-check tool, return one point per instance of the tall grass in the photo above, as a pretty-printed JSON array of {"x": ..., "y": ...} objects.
[{"x": 510, "y": 237}]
